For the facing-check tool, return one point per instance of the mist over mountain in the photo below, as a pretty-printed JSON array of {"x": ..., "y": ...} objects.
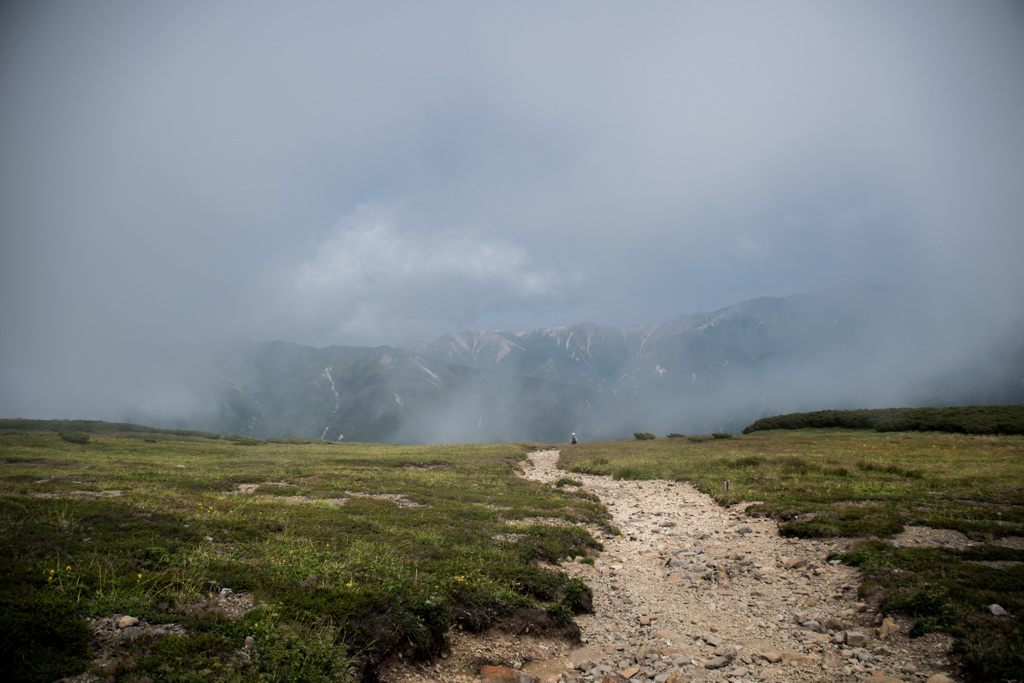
[
  {"x": 857, "y": 346},
  {"x": 264, "y": 389}
]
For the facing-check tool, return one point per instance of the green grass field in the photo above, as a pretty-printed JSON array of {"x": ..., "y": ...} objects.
[
  {"x": 357, "y": 551},
  {"x": 153, "y": 528},
  {"x": 866, "y": 484}
]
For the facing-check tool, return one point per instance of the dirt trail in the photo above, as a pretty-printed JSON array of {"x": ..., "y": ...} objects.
[{"x": 691, "y": 591}]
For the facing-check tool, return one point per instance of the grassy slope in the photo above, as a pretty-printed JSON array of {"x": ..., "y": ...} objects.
[
  {"x": 864, "y": 483},
  {"x": 342, "y": 586}
]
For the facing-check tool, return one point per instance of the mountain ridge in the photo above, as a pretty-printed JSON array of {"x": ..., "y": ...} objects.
[{"x": 858, "y": 346}]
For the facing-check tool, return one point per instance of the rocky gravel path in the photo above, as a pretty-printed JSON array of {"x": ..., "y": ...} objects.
[{"x": 691, "y": 591}]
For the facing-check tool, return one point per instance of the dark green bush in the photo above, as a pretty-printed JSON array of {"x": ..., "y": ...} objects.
[
  {"x": 643, "y": 436},
  {"x": 74, "y": 437},
  {"x": 578, "y": 597},
  {"x": 560, "y": 614},
  {"x": 962, "y": 420},
  {"x": 244, "y": 440},
  {"x": 42, "y": 636}
]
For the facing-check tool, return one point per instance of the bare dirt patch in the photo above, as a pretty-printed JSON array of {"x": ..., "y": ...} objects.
[{"x": 926, "y": 537}]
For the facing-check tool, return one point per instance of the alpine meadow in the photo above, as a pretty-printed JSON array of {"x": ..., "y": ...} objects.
[
  {"x": 512, "y": 342},
  {"x": 301, "y": 559}
]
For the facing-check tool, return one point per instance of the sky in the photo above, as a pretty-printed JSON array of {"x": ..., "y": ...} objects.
[{"x": 380, "y": 173}]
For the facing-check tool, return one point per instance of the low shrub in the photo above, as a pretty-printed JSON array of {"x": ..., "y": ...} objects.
[
  {"x": 244, "y": 440},
  {"x": 74, "y": 437},
  {"x": 643, "y": 436}
]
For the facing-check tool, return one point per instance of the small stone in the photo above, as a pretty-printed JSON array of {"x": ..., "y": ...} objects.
[
  {"x": 630, "y": 672},
  {"x": 997, "y": 611},
  {"x": 716, "y": 663},
  {"x": 125, "y": 622},
  {"x": 729, "y": 652},
  {"x": 504, "y": 674},
  {"x": 812, "y": 625},
  {"x": 888, "y": 627},
  {"x": 738, "y": 672},
  {"x": 939, "y": 678},
  {"x": 856, "y": 639},
  {"x": 833, "y": 624},
  {"x": 643, "y": 653},
  {"x": 865, "y": 656}
]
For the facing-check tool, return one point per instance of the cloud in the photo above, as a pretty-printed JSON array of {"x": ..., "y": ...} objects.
[
  {"x": 376, "y": 278},
  {"x": 176, "y": 170}
]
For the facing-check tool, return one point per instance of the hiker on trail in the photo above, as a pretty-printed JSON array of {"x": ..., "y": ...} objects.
[{"x": 574, "y": 437}]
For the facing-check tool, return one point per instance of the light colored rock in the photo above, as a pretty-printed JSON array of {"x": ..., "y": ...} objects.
[
  {"x": 716, "y": 663},
  {"x": 997, "y": 610},
  {"x": 643, "y": 653},
  {"x": 614, "y": 678},
  {"x": 939, "y": 678},
  {"x": 833, "y": 624},
  {"x": 856, "y": 639},
  {"x": 629, "y": 672},
  {"x": 504, "y": 674},
  {"x": 888, "y": 628},
  {"x": 125, "y": 622}
]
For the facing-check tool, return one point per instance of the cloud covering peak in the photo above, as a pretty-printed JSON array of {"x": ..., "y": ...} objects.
[{"x": 352, "y": 173}]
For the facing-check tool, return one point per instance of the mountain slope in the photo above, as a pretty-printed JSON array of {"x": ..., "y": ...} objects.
[
  {"x": 374, "y": 394},
  {"x": 857, "y": 346},
  {"x": 854, "y": 346}
]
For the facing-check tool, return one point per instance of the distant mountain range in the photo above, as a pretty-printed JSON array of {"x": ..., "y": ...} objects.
[{"x": 857, "y": 346}]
